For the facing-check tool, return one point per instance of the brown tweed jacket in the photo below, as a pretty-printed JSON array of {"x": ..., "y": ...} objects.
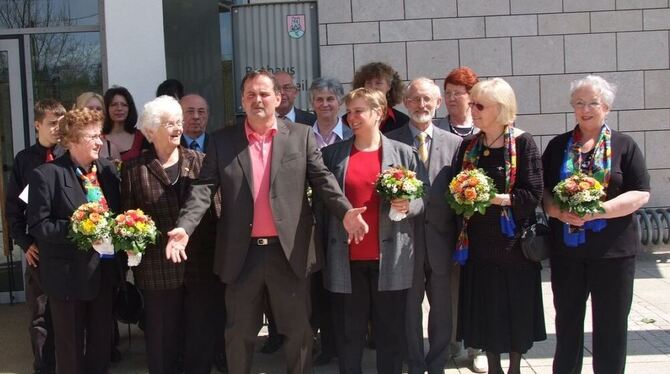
[{"x": 145, "y": 185}]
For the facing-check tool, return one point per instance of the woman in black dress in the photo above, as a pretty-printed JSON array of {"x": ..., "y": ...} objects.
[
  {"x": 603, "y": 265},
  {"x": 500, "y": 308}
]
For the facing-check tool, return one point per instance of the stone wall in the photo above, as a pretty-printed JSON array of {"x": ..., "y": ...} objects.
[{"x": 538, "y": 46}]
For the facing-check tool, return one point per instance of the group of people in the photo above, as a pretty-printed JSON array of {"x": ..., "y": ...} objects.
[{"x": 278, "y": 215}]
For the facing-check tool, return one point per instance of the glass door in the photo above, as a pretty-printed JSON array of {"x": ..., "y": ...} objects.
[{"x": 12, "y": 140}]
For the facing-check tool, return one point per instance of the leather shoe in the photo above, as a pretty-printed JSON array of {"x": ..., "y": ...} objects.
[
  {"x": 115, "y": 355},
  {"x": 220, "y": 363},
  {"x": 323, "y": 359},
  {"x": 272, "y": 344}
]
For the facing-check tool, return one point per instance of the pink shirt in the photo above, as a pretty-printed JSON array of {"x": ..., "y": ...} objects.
[{"x": 260, "y": 152}]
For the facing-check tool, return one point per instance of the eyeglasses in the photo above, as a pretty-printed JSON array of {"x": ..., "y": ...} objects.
[
  {"x": 287, "y": 87},
  {"x": 192, "y": 112},
  {"x": 420, "y": 99},
  {"x": 448, "y": 94},
  {"x": 90, "y": 138},
  {"x": 171, "y": 125},
  {"x": 479, "y": 106},
  {"x": 581, "y": 105}
]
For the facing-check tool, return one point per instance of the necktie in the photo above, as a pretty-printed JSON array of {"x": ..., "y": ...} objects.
[
  {"x": 422, "y": 147},
  {"x": 194, "y": 145},
  {"x": 50, "y": 155}
]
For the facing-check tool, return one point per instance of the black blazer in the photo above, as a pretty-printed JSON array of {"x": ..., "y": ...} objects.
[
  {"x": 55, "y": 192},
  {"x": 304, "y": 117}
]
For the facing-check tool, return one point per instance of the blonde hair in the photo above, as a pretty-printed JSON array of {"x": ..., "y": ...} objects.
[
  {"x": 85, "y": 97},
  {"x": 75, "y": 122},
  {"x": 500, "y": 92},
  {"x": 375, "y": 99}
]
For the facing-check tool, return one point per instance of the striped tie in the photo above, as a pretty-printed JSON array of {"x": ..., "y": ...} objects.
[{"x": 422, "y": 148}]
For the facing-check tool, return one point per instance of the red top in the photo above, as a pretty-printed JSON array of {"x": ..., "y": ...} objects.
[
  {"x": 135, "y": 149},
  {"x": 359, "y": 187},
  {"x": 260, "y": 152}
]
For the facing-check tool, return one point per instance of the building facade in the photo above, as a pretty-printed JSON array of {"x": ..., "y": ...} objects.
[{"x": 60, "y": 48}]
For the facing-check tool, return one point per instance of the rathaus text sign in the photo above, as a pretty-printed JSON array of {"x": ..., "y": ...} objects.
[{"x": 277, "y": 37}]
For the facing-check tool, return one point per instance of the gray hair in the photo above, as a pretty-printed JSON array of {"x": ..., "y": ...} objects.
[
  {"x": 154, "y": 112},
  {"x": 431, "y": 83},
  {"x": 331, "y": 85},
  {"x": 605, "y": 89}
]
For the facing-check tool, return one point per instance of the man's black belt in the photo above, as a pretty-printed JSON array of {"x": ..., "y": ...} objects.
[{"x": 270, "y": 240}]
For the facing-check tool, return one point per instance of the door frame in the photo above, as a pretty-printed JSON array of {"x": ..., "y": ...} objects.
[{"x": 21, "y": 138}]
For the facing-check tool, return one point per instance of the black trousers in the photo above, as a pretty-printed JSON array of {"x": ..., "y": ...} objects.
[
  {"x": 609, "y": 281},
  {"x": 82, "y": 329},
  {"x": 267, "y": 274},
  {"x": 321, "y": 314},
  {"x": 438, "y": 289},
  {"x": 41, "y": 327},
  {"x": 351, "y": 313},
  {"x": 191, "y": 312}
]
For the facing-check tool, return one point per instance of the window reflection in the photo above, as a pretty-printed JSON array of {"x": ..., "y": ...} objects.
[
  {"x": 65, "y": 65},
  {"x": 16, "y": 14}
]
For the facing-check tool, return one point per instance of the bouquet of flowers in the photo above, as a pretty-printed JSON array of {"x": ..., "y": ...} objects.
[
  {"x": 132, "y": 231},
  {"x": 90, "y": 226},
  {"x": 398, "y": 183},
  {"x": 471, "y": 192},
  {"x": 579, "y": 194}
]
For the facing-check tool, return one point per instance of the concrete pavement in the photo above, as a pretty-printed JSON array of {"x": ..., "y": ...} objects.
[{"x": 648, "y": 338}]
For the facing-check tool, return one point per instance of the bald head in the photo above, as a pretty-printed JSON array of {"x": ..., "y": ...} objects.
[{"x": 196, "y": 115}]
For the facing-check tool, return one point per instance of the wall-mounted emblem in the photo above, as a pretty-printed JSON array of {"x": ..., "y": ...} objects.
[{"x": 295, "y": 25}]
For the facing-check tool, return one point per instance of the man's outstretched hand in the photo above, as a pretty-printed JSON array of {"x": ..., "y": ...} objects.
[
  {"x": 175, "y": 249},
  {"x": 355, "y": 224}
]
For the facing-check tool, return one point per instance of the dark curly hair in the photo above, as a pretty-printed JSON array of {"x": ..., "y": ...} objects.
[
  {"x": 383, "y": 71},
  {"x": 131, "y": 120},
  {"x": 75, "y": 122}
]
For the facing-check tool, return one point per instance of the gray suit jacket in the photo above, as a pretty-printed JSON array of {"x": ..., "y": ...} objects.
[
  {"x": 296, "y": 161},
  {"x": 436, "y": 232},
  {"x": 396, "y": 263}
]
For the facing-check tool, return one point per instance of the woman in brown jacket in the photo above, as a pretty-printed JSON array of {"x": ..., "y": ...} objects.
[{"x": 181, "y": 299}]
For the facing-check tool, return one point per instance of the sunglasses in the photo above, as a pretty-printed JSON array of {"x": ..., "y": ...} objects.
[{"x": 479, "y": 106}]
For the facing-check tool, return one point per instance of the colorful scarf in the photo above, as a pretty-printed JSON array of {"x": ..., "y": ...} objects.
[
  {"x": 600, "y": 169},
  {"x": 470, "y": 161},
  {"x": 92, "y": 186}
]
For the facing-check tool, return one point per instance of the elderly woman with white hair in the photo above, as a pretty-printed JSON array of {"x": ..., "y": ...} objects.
[
  {"x": 599, "y": 259},
  {"x": 180, "y": 299},
  {"x": 500, "y": 304}
]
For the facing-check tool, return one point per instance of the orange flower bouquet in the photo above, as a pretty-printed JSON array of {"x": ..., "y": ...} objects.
[
  {"x": 580, "y": 194},
  {"x": 90, "y": 226},
  {"x": 132, "y": 232},
  {"x": 471, "y": 192}
]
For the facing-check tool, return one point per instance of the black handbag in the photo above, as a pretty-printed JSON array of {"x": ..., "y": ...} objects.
[{"x": 536, "y": 240}]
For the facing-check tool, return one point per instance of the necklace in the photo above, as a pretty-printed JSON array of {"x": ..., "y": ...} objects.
[{"x": 488, "y": 145}]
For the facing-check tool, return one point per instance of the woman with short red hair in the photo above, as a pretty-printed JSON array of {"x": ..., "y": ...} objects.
[{"x": 457, "y": 86}]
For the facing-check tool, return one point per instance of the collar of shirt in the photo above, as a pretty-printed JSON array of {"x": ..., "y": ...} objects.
[
  {"x": 415, "y": 131},
  {"x": 337, "y": 129},
  {"x": 200, "y": 140},
  {"x": 253, "y": 136},
  {"x": 290, "y": 115}
]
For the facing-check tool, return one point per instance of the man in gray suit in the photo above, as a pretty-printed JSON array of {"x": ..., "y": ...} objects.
[
  {"x": 435, "y": 235},
  {"x": 263, "y": 246}
]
